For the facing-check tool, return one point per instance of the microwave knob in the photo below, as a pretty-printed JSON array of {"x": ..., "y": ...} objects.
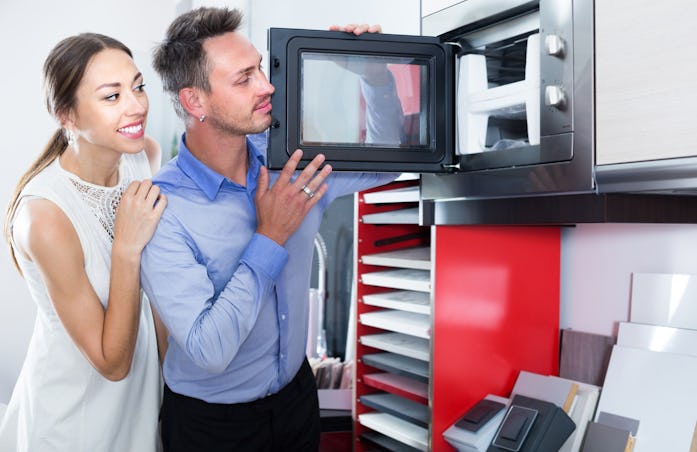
[
  {"x": 554, "y": 45},
  {"x": 555, "y": 97}
]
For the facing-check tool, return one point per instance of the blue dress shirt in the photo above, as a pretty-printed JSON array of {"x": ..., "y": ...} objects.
[{"x": 235, "y": 302}]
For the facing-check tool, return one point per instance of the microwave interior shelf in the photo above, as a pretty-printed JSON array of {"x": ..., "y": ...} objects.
[
  {"x": 402, "y": 344},
  {"x": 404, "y": 194},
  {"x": 401, "y": 278},
  {"x": 398, "y": 364},
  {"x": 477, "y": 101},
  {"x": 384, "y": 442},
  {"x": 414, "y": 390},
  {"x": 418, "y": 325},
  {"x": 408, "y": 410},
  {"x": 399, "y": 216},
  {"x": 415, "y": 257},
  {"x": 398, "y": 429},
  {"x": 404, "y": 300}
]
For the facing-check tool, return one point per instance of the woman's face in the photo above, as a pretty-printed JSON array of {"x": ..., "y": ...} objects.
[{"x": 112, "y": 105}]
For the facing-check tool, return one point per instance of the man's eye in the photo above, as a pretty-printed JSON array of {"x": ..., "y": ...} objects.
[
  {"x": 140, "y": 88},
  {"x": 114, "y": 96}
]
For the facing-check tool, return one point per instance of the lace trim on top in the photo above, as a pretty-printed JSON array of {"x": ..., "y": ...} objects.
[{"x": 102, "y": 201}]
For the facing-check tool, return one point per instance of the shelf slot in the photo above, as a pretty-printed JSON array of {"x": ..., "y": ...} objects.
[
  {"x": 403, "y": 408},
  {"x": 409, "y": 323},
  {"x": 400, "y": 216},
  {"x": 415, "y": 257},
  {"x": 409, "y": 388},
  {"x": 410, "y": 346},
  {"x": 405, "y": 194},
  {"x": 398, "y": 364},
  {"x": 402, "y": 431},
  {"x": 405, "y": 279},
  {"x": 404, "y": 300},
  {"x": 384, "y": 442}
]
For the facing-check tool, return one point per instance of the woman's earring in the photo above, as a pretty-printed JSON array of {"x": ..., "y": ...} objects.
[
  {"x": 71, "y": 137},
  {"x": 202, "y": 118}
]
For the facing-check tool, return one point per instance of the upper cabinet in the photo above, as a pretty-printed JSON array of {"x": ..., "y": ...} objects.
[{"x": 646, "y": 80}]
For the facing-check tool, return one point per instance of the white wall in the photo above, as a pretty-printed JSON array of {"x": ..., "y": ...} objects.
[
  {"x": 28, "y": 30},
  {"x": 597, "y": 265}
]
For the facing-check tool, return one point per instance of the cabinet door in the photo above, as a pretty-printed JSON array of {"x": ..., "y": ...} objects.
[{"x": 646, "y": 80}]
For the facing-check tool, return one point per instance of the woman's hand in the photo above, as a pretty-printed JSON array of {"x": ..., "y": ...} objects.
[{"x": 137, "y": 215}]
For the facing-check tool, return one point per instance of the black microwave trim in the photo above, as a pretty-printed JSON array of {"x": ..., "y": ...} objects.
[
  {"x": 285, "y": 49},
  {"x": 508, "y": 14}
]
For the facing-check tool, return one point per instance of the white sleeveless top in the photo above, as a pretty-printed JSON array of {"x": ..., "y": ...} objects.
[{"x": 60, "y": 402}]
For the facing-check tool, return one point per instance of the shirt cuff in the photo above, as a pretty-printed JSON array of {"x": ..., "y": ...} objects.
[{"x": 265, "y": 255}]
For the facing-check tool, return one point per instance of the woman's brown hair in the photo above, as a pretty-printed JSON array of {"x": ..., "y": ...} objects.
[{"x": 63, "y": 71}]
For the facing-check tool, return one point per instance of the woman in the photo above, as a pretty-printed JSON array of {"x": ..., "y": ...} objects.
[{"x": 76, "y": 224}]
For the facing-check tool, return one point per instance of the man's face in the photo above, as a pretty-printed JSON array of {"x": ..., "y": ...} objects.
[{"x": 239, "y": 102}]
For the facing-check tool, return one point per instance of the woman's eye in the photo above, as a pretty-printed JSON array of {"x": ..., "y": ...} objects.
[
  {"x": 114, "y": 96},
  {"x": 140, "y": 88}
]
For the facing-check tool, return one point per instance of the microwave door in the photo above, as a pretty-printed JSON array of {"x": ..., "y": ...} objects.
[{"x": 375, "y": 102}]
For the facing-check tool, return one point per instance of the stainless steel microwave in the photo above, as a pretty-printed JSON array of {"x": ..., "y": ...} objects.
[{"x": 500, "y": 105}]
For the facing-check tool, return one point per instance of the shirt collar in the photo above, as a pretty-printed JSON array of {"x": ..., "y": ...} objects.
[{"x": 210, "y": 181}]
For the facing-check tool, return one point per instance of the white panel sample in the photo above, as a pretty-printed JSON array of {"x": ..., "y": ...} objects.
[
  {"x": 582, "y": 412},
  {"x": 396, "y": 428},
  {"x": 664, "y": 299},
  {"x": 418, "y": 257},
  {"x": 399, "y": 343},
  {"x": 657, "y": 338},
  {"x": 418, "y": 325},
  {"x": 467, "y": 441},
  {"x": 404, "y": 300},
  {"x": 658, "y": 390},
  {"x": 407, "y": 279},
  {"x": 558, "y": 391}
]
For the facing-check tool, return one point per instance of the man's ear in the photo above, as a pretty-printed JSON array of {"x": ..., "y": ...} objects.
[{"x": 192, "y": 101}]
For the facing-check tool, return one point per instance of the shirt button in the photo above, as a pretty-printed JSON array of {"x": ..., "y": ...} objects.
[
  {"x": 282, "y": 356},
  {"x": 283, "y": 316}
]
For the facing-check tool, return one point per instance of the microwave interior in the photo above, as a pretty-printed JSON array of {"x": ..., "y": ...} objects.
[{"x": 469, "y": 100}]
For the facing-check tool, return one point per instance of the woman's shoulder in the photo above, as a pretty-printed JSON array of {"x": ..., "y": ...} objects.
[{"x": 44, "y": 182}]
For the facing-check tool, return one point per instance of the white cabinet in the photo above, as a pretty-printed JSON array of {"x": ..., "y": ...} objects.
[
  {"x": 431, "y": 6},
  {"x": 646, "y": 80}
]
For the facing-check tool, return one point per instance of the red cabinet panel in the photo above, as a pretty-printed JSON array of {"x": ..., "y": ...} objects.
[{"x": 494, "y": 310}]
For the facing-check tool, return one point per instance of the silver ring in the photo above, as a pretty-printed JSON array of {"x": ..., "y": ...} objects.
[{"x": 307, "y": 191}]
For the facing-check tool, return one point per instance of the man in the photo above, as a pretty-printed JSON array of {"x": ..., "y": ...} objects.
[{"x": 228, "y": 268}]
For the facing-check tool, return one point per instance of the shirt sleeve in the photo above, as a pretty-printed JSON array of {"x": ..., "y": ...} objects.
[
  {"x": 384, "y": 115},
  {"x": 344, "y": 183},
  {"x": 208, "y": 326}
]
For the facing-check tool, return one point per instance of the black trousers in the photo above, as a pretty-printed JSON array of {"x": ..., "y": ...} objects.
[{"x": 285, "y": 421}]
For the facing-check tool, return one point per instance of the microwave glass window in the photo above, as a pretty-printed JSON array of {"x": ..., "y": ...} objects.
[{"x": 332, "y": 82}]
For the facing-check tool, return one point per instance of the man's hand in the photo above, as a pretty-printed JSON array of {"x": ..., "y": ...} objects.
[
  {"x": 282, "y": 208},
  {"x": 357, "y": 29},
  {"x": 373, "y": 72}
]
